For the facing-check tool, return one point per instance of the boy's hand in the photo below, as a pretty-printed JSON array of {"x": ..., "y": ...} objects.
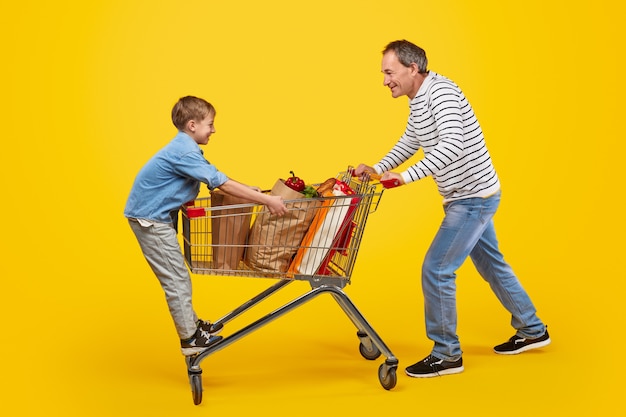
[{"x": 276, "y": 205}]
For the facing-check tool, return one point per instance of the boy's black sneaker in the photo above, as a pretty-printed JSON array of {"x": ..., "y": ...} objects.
[
  {"x": 210, "y": 328},
  {"x": 198, "y": 342},
  {"x": 431, "y": 366},
  {"x": 517, "y": 344}
]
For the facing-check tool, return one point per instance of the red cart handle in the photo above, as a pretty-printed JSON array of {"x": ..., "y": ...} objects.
[
  {"x": 193, "y": 212},
  {"x": 392, "y": 183}
]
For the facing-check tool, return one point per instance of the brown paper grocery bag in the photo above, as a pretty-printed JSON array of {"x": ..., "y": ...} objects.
[
  {"x": 274, "y": 240},
  {"x": 230, "y": 227}
]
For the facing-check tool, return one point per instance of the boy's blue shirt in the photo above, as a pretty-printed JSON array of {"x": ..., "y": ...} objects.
[{"x": 169, "y": 179}]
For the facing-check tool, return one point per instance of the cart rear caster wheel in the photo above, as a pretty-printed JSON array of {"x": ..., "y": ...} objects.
[
  {"x": 370, "y": 353},
  {"x": 389, "y": 379},
  {"x": 195, "y": 380}
]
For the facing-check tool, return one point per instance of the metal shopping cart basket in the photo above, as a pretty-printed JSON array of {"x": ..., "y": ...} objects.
[{"x": 317, "y": 241}]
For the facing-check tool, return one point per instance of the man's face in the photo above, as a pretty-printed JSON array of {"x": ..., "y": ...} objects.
[{"x": 400, "y": 79}]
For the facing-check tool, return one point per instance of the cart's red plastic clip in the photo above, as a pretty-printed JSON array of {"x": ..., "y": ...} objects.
[
  {"x": 193, "y": 212},
  {"x": 392, "y": 183}
]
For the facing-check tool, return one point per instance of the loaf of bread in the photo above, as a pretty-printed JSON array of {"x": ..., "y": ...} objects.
[{"x": 326, "y": 187}]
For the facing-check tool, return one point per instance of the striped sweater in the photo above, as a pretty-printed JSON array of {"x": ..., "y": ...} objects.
[{"x": 443, "y": 124}]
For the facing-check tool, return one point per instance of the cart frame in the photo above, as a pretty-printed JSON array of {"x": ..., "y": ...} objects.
[{"x": 198, "y": 249}]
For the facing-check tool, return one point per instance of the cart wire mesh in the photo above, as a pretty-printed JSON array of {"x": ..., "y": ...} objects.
[{"x": 317, "y": 238}]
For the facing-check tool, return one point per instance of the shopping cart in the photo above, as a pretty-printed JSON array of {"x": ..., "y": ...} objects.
[{"x": 317, "y": 241}]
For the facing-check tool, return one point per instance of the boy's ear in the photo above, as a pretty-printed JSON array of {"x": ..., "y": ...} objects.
[{"x": 191, "y": 125}]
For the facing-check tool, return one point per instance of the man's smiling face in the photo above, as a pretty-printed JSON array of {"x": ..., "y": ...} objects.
[{"x": 400, "y": 79}]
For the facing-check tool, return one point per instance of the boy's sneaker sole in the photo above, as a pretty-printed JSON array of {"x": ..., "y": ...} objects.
[
  {"x": 431, "y": 366},
  {"x": 517, "y": 344}
]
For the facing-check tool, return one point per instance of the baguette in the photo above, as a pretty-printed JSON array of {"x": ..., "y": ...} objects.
[{"x": 326, "y": 187}]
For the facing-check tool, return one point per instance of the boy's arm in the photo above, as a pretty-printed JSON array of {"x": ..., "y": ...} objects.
[{"x": 274, "y": 203}]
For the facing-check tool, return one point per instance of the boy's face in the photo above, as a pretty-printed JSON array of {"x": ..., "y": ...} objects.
[{"x": 201, "y": 130}]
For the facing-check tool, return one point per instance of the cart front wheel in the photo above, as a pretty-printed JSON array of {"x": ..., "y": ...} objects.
[
  {"x": 388, "y": 378},
  {"x": 196, "y": 387},
  {"x": 370, "y": 353}
]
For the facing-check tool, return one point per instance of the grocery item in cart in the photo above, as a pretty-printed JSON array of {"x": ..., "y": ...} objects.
[
  {"x": 330, "y": 231},
  {"x": 274, "y": 240},
  {"x": 230, "y": 227}
]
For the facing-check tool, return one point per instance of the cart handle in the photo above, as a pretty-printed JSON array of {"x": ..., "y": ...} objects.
[{"x": 392, "y": 183}]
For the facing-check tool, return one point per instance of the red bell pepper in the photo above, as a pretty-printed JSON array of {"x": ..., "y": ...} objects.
[{"x": 295, "y": 183}]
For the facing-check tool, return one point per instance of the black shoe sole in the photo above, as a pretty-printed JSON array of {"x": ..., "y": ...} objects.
[
  {"x": 524, "y": 348},
  {"x": 447, "y": 371}
]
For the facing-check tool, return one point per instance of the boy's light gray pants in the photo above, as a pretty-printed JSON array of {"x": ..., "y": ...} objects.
[{"x": 159, "y": 244}]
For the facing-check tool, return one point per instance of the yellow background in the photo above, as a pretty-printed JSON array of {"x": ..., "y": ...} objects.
[{"x": 87, "y": 88}]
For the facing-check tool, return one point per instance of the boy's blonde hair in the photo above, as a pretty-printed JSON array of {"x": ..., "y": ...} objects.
[{"x": 190, "y": 108}]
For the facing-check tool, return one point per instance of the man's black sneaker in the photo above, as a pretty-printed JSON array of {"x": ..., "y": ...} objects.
[
  {"x": 210, "y": 328},
  {"x": 517, "y": 344},
  {"x": 198, "y": 342},
  {"x": 431, "y": 366}
]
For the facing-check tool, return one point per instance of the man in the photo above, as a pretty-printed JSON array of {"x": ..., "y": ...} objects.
[{"x": 443, "y": 124}]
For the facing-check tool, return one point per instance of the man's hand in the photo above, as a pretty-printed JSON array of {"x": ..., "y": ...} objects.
[
  {"x": 363, "y": 171},
  {"x": 391, "y": 179}
]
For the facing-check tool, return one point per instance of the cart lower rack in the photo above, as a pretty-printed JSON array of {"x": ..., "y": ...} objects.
[{"x": 317, "y": 241}]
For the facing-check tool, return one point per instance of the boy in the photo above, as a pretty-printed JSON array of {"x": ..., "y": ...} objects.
[{"x": 169, "y": 179}]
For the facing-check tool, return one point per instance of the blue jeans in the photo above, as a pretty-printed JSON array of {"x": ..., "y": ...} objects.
[{"x": 467, "y": 230}]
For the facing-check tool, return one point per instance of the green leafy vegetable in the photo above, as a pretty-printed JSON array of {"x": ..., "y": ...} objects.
[{"x": 309, "y": 191}]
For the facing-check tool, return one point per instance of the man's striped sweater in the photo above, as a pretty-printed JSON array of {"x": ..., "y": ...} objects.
[{"x": 443, "y": 124}]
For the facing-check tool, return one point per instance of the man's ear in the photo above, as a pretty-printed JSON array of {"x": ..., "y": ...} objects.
[{"x": 414, "y": 68}]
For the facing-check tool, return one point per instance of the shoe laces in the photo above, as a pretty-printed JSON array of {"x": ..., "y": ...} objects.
[
  {"x": 204, "y": 333},
  {"x": 432, "y": 361}
]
